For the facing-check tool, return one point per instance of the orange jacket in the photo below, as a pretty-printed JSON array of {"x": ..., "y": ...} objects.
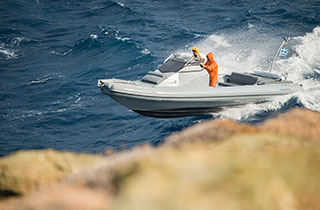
[{"x": 212, "y": 68}]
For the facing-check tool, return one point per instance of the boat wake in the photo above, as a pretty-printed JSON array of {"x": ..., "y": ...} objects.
[{"x": 302, "y": 65}]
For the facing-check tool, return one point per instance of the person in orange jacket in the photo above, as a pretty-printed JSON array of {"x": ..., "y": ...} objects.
[{"x": 212, "y": 68}]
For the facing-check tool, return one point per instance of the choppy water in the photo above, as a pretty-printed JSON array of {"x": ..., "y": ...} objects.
[{"x": 53, "y": 52}]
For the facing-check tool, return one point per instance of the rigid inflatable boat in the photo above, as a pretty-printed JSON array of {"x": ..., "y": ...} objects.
[{"x": 180, "y": 87}]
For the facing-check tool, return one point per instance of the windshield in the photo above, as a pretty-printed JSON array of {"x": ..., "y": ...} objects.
[
  {"x": 172, "y": 66},
  {"x": 176, "y": 62}
]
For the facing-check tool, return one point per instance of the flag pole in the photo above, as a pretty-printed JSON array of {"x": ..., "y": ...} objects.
[{"x": 285, "y": 41}]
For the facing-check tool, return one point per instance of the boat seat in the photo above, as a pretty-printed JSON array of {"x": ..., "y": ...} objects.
[
  {"x": 242, "y": 79},
  {"x": 153, "y": 77},
  {"x": 225, "y": 84},
  {"x": 267, "y": 75}
]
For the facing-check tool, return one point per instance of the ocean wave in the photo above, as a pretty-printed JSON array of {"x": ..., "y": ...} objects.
[
  {"x": 250, "y": 26},
  {"x": 217, "y": 41},
  {"x": 94, "y": 36},
  {"x": 145, "y": 51},
  {"x": 73, "y": 102},
  {"x": 248, "y": 111},
  {"x": 111, "y": 7},
  {"x": 80, "y": 46},
  {"x": 302, "y": 67},
  {"x": 105, "y": 39},
  {"x": 120, "y": 4},
  {"x": 242, "y": 51},
  {"x": 37, "y": 113},
  {"x": 245, "y": 52},
  {"x": 40, "y": 80},
  {"x": 118, "y": 37},
  {"x": 17, "y": 41},
  {"x": 44, "y": 79},
  {"x": 8, "y": 54}
]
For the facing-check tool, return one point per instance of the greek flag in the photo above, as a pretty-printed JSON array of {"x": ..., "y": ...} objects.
[{"x": 284, "y": 52}]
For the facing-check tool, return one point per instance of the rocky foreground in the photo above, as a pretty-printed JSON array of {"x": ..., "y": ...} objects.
[{"x": 218, "y": 164}]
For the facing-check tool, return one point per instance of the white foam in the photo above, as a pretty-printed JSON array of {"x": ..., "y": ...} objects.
[
  {"x": 217, "y": 41},
  {"x": 240, "y": 52},
  {"x": 8, "y": 53},
  {"x": 59, "y": 110},
  {"x": 40, "y": 80},
  {"x": 45, "y": 78},
  {"x": 120, "y": 4},
  {"x": 305, "y": 63},
  {"x": 246, "y": 111},
  {"x": 247, "y": 51},
  {"x": 145, "y": 51},
  {"x": 76, "y": 100},
  {"x": 196, "y": 35},
  {"x": 250, "y": 26},
  {"x": 120, "y": 38},
  {"x": 37, "y": 113},
  {"x": 17, "y": 40},
  {"x": 94, "y": 36},
  {"x": 62, "y": 53}
]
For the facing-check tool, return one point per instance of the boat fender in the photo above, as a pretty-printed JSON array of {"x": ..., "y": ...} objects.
[{"x": 100, "y": 83}]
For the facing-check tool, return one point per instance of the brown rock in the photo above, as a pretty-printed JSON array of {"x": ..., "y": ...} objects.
[
  {"x": 28, "y": 170},
  {"x": 63, "y": 197},
  {"x": 301, "y": 123},
  {"x": 218, "y": 164},
  {"x": 210, "y": 131}
]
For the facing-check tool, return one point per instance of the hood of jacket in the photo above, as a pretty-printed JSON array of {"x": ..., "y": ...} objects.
[
  {"x": 210, "y": 57},
  {"x": 196, "y": 50}
]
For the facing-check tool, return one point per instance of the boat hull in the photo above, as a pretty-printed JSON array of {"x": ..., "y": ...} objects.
[{"x": 178, "y": 102}]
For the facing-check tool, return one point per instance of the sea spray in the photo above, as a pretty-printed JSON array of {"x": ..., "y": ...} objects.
[
  {"x": 248, "y": 51},
  {"x": 304, "y": 66}
]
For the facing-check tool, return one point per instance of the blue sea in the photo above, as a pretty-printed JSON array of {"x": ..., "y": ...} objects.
[{"x": 53, "y": 52}]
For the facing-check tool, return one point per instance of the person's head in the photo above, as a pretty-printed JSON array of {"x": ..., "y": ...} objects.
[
  {"x": 195, "y": 50},
  {"x": 210, "y": 56}
]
